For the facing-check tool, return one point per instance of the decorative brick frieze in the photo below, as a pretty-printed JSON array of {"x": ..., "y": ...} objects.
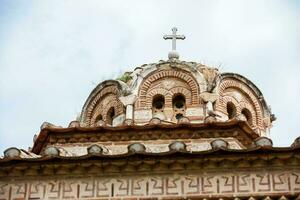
[
  {"x": 177, "y": 76},
  {"x": 168, "y": 186}
]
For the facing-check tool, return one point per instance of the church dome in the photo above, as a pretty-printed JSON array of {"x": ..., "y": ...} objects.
[{"x": 173, "y": 89}]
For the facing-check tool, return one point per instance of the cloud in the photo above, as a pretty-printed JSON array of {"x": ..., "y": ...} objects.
[{"x": 53, "y": 53}]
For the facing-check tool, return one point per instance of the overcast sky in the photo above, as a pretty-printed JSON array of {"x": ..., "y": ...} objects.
[{"x": 53, "y": 53}]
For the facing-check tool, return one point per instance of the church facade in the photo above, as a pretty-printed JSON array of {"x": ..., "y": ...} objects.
[{"x": 166, "y": 130}]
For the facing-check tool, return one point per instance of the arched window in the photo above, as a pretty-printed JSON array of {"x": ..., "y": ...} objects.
[
  {"x": 248, "y": 116},
  {"x": 231, "y": 110},
  {"x": 110, "y": 115},
  {"x": 179, "y": 102},
  {"x": 158, "y": 104},
  {"x": 98, "y": 118}
]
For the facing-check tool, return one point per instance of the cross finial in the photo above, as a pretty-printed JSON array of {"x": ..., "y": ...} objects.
[{"x": 174, "y": 54}]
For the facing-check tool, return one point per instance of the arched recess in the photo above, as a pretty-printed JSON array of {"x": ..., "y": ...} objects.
[
  {"x": 105, "y": 107},
  {"x": 244, "y": 94},
  {"x": 231, "y": 110},
  {"x": 248, "y": 111},
  {"x": 104, "y": 97},
  {"x": 157, "y": 92},
  {"x": 158, "y": 104},
  {"x": 185, "y": 92},
  {"x": 168, "y": 94},
  {"x": 248, "y": 115},
  {"x": 166, "y": 83},
  {"x": 222, "y": 102},
  {"x": 179, "y": 105}
]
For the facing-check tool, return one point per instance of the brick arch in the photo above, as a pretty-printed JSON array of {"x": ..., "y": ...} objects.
[
  {"x": 221, "y": 104},
  {"x": 244, "y": 89},
  {"x": 247, "y": 105},
  {"x": 168, "y": 95},
  {"x": 94, "y": 106},
  {"x": 185, "y": 92},
  {"x": 154, "y": 92},
  {"x": 184, "y": 76},
  {"x": 117, "y": 104},
  {"x": 102, "y": 108}
]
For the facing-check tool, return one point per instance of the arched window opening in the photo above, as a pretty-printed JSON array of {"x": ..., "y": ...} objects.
[
  {"x": 158, "y": 103},
  {"x": 248, "y": 116},
  {"x": 179, "y": 102},
  {"x": 98, "y": 118},
  {"x": 110, "y": 115},
  {"x": 231, "y": 110}
]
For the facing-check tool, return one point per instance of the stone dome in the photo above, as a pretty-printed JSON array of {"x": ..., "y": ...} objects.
[{"x": 172, "y": 89}]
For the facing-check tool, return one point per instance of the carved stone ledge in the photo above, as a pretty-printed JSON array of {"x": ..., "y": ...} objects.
[
  {"x": 148, "y": 165},
  {"x": 167, "y": 134},
  {"x": 47, "y": 170},
  {"x": 94, "y": 169},
  {"x": 144, "y": 167},
  {"x": 62, "y": 169}
]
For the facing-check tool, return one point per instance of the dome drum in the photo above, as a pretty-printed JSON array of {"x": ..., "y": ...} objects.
[{"x": 171, "y": 90}]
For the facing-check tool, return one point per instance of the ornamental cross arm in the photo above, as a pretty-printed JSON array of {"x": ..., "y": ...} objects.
[
  {"x": 178, "y": 37},
  {"x": 174, "y": 37}
]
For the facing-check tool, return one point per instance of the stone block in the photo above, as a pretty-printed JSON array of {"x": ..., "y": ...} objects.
[{"x": 209, "y": 97}]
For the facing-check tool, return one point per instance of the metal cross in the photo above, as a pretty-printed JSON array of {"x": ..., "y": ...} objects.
[{"x": 174, "y": 37}]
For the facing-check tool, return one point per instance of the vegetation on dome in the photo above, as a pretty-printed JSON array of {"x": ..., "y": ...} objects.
[{"x": 125, "y": 77}]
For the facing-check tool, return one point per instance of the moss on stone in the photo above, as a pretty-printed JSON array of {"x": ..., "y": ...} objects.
[{"x": 125, "y": 77}]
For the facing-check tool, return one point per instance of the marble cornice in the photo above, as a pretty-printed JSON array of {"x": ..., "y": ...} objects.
[
  {"x": 236, "y": 129},
  {"x": 155, "y": 163}
]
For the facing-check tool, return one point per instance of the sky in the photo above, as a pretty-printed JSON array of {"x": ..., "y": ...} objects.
[{"x": 54, "y": 52}]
